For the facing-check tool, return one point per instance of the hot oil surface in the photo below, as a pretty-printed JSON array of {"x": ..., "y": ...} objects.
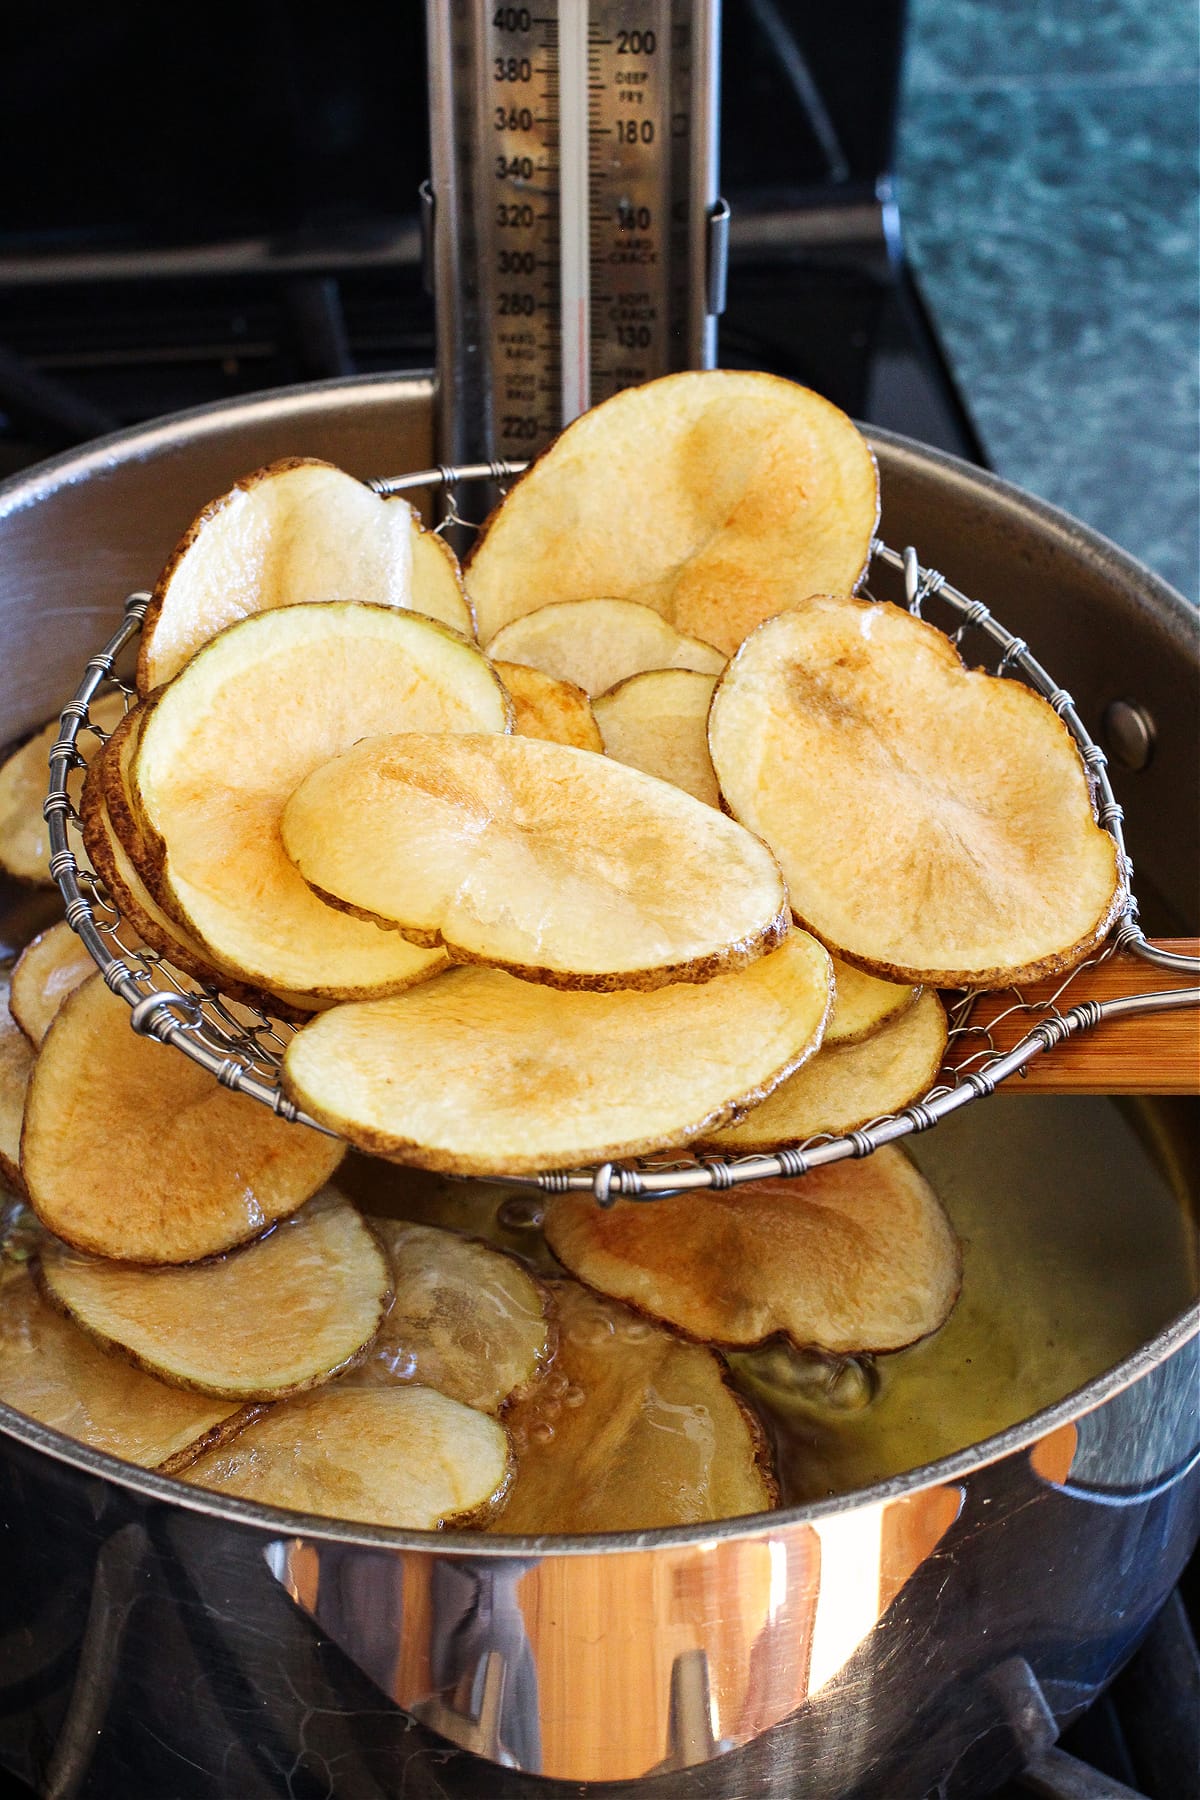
[
  {"x": 1079, "y": 1243},
  {"x": 1079, "y": 1240}
]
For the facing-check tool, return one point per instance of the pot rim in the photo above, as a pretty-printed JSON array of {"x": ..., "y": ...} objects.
[{"x": 26, "y": 490}]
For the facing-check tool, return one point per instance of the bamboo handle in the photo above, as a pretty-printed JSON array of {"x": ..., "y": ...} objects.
[{"x": 1155, "y": 1053}]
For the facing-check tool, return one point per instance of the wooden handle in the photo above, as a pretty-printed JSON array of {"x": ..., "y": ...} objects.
[{"x": 1157, "y": 1053}]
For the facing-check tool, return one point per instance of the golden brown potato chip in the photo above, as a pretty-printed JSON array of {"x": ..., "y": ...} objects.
[
  {"x": 934, "y": 823},
  {"x": 597, "y": 643},
  {"x": 132, "y": 1151},
  {"x": 855, "y": 1256},
  {"x": 147, "y": 921},
  {"x": 297, "y": 531},
  {"x": 292, "y": 688},
  {"x": 466, "y": 1319},
  {"x": 51, "y": 1372},
  {"x": 47, "y": 970},
  {"x": 658, "y": 722},
  {"x": 561, "y": 866},
  {"x": 24, "y": 782},
  {"x": 847, "y": 1085},
  {"x": 631, "y": 1429},
  {"x": 546, "y": 708},
  {"x": 476, "y": 1073},
  {"x": 16, "y": 1066},
  {"x": 290, "y": 1311},
  {"x": 401, "y": 1456},
  {"x": 717, "y": 498},
  {"x": 863, "y": 1004}
]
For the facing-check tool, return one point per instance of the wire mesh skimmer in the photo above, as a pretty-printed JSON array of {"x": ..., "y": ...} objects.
[{"x": 243, "y": 1048}]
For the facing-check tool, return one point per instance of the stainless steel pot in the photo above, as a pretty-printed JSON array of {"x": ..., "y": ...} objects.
[{"x": 924, "y": 1636}]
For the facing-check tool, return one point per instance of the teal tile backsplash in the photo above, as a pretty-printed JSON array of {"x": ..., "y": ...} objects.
[{"x": 1048, "y": 187}]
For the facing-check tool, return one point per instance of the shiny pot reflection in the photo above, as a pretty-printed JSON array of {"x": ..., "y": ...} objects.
[{"x": 925, "y": 1635}]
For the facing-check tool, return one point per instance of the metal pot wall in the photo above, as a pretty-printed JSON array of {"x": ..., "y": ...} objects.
[{"x": 925, "y": 1636}]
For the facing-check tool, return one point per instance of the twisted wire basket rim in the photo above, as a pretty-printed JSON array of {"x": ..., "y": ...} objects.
[{"x": 174, "y": 1016}]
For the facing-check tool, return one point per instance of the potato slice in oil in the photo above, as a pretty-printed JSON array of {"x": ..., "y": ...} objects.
[
  {"x": 558, "y": 711},
  {"x": 16, "y": 1066},
  {"x": 632, "y": 1428},
  {"x": 597, "y": 643},
  {"x": 401, "y": 1456},
  {"x": 287, "y": 1312},
  {"x": 132, "y": 1151},
  {"x": 52, "y": 1372},
  {"x": 855, "y": 1256},
  {"x": 47, "y": 970},
  {"x": 466, "y": 1319}
]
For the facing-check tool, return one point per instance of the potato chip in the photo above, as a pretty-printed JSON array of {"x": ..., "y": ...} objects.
[
  {"x": 476, "y": 1073},
  {"x": 847, "y": 1085},
  {"x": 293, "y": 1309},
  {"x": 633, "y": 1428},
  {"x": 291, "y": 688},
  {"x": 557, "y": 711},
  {"x": 856, "y": 1256},
  {"x": 295, "y": 532},
  {"x": 147, "y": 922},
  {"x": 716, "y": 497},
  {"x": 402, "y": 1456},
  {"x": 658, "y": 722},
  {"x": 466, "y": 1319},
  {"x": 132, "y": 1151},
  {"x": 16, "y": 1066},
  {"x": 52, "y": 1372},
  {"x": 47, "y": 970},
  {"x": 934, "y": 823},
  {"x": 559, "y": 865},
  {"x": 863, "y": 1004},
  {"x": 596, "y": 643},
  {"x": 24, "y": 782}
]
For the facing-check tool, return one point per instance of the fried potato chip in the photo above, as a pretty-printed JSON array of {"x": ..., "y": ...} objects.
[
  {"x": 293, "y": 1309},
  {"x": 109, "y": 776},
  {"x": 658, "y": 722},
  {"x": 24, "y": 780},
  {"x": 290, "y": 689},
  {"x": 402, "y": 1456},
  {"x": 16, "y": 1066},
  {"x": 856, "y": 1256},
  {"x": 51, "y": 1372},
  {"x": 847, "y": 1085},
  {"x": 132, "y": 1151},
  {"x": 466, "y": 1319},
  {"x": 632, "y": 1428},
  {"x": 934, "y": 823},
  {"x": 557, "y": 711},
  {"x": 154, "y": 927},
  {"x": 717, "y": 498},
  {"x": 476, "y": 1073},
  {"x": 561, "y": 866},
  {"x": 297, "y": 531},
  {"x": 596, "y": 643},
  {"x": 863, "y": 1004},
  {"x": 47, "y": 970}
]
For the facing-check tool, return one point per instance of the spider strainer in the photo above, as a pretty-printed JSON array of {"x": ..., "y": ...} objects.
[{"x": 243, "y": 1048}]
